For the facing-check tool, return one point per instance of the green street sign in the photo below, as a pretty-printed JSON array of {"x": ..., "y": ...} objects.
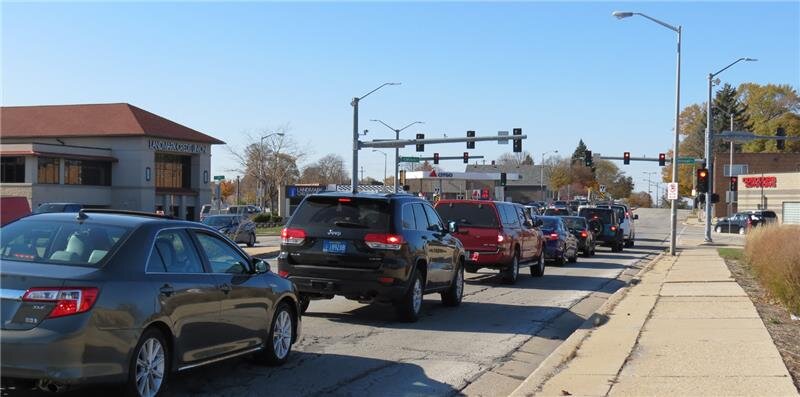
[
  {"x": 409, "y": 159},
  {"x": 219, "y": 177},
  {"x": 685, "y": 160}
]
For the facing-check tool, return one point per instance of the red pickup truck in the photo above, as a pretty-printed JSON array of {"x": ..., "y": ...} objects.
[{"x": 496, "y": 235}]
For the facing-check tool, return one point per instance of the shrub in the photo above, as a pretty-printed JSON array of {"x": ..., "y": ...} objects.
[
  {"x": 277, "y": 219},
  {"x": 262, "y": 218},
  {"x": 772, "y": 252}
]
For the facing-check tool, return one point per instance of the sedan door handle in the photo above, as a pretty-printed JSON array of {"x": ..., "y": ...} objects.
[
  {"x": 225, "y": 288},
  {"x": 166, "y": 290}
]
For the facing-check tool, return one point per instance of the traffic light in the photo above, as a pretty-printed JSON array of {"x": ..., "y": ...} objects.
[
  {"x": 470, "y": 145},
  {"x": 517, "y": 141},
  {"x": 587, "y": 158},
  {"x": 662, "y": 159},
  {"x": 402, "y": 177},
  {"x": 503, "y": 179},
  {"x": 420, "y": 146},
  {"x": 734, "y": 184},
  {"x": 466, "y": 157},
  {"x": 436, "y": 158},
  {"x": 702, "y": 180},
  {"x": 781, "y": 143},
  {"x": 626, "y": 158}
]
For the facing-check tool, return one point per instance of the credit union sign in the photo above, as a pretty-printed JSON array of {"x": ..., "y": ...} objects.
[{"x": 173, "y": 146}]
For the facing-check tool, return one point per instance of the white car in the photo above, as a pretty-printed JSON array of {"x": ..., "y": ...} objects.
[{"x": 627, "y": 224}]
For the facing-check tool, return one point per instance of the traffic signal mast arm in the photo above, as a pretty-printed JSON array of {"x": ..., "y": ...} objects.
[
  {"x": 391, "y": 143},
  {"x": 440, "y": 158},
  {"x": 655, "y": 159}
]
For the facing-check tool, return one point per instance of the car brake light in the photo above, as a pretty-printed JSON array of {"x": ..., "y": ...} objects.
[
  {"x": 385, "y": 280},
  {"x": 293, "y": 236},
  {"x": 283, "y": 273},
  {"x": 68, "y": 300},
  {"x": 384, "y": 241},
  {"x": 613, "y": 228},
  {"x": 584, "y": 234},
  {"x": 500, "y": 238},
  {"x": 475, "y": 256},
  {"x": 345, "y": 200},
  {"x": 553, "y": 236}
]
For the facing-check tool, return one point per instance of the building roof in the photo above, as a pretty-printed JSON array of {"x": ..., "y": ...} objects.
[
  {"x": 530, "y": 174},
  {"x": 92, "y": 120}
]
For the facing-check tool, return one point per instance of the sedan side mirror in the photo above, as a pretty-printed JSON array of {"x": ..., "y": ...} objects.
[
  {"x": 260, "y": 266},
  {"x": 452, "y": 227}
]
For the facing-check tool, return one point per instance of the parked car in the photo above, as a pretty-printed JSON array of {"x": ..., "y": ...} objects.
[
  {"x": 57, "y": 207},
  {"x": 238, "y": 228},
  {"x": 13, "y": 208},
  {"x": 557, "y": 212},
  {"x": 128, "y": 298},
  {"x": 496, "y": 235},
  {"x": 389, "y": 248},
  {"x": 626, "y": 222},
  {"x": 205, "y": 211},
  {"x": 736, "y": 223},
  {"x": 245, "y": 210},
  {"x": 561, "y": 246},
  {"x": 579, "y": 227},
  {"x": 762, "y": 217},
  {"x": 605, "y": 226}
]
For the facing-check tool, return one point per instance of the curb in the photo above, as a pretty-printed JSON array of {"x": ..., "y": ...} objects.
[{"x": 566, "y": 351}]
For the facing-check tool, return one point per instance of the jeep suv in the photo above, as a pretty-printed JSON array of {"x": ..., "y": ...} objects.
[
  {"x": 605, "y": 226},
  {"x": 496, "y": 235},
  {"x": 626, "y": 222},
  {"x": 389, "y": 248}
]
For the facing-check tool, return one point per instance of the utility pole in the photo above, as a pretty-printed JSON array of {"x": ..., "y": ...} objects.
[
  {"x": 730, "y": 172},
  {"x": 237, "y": 189}
]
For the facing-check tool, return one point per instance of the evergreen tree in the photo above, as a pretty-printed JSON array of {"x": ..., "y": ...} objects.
[
  {"x": 580, "y": 151},
  {"x": 727, "y": 105}
]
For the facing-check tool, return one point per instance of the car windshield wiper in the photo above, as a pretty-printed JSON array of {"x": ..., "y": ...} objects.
[{"x": 350, "y": 224}]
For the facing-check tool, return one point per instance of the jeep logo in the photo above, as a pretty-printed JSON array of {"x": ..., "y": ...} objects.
[{"x": 332, "y": 232}]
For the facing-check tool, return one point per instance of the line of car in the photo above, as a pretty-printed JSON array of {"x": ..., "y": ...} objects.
[{"x": 103, "y": 296}]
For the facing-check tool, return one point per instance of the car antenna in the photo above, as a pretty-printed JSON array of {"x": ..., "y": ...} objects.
[{"x": 81, "y": 216}]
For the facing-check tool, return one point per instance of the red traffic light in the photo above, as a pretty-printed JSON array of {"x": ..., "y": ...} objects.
[
  {"x": 734, "y": 184},
  {"x": 436, "y": 158},
  {"x": 626, "y": 157},
  {"x": 662, "y": 159},
  {"x": 466, "y": 157}
]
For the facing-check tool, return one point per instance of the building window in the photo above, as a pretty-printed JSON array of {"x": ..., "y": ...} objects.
[
  {"x": 12, "y": 170},
  {"x": 173, "y": 171},
  {"x": 48, "y": 170},
  {"x": 87, "y": 172}
]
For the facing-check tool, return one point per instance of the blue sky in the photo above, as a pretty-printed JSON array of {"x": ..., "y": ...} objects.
[{"x": 560, "y": 71}]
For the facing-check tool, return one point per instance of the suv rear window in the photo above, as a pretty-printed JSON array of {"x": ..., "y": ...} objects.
[
  {"x": 604, "y": 215},
  {"x": 556, "y": 212},
  {"x": 325, "y": 212},
  {"x": 468, "y": 214},
  {"x": 59, "y": 242}
]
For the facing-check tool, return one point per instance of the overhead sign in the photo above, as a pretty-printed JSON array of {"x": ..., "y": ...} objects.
[
  {"x": 760, "y": 181},
  {"x": 173, "y": 146},
  {"x": 219, "y": 177},
  {"x": 672, "y": 191},
  {"x": 686, "y": 160},
  {"x": 409, "y": 159},
  {"x": 502, "y": 141}
]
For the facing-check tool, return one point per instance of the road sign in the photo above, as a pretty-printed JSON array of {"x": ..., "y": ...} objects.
[
  {"x": 219, "y": 177},
  {"x": 476, "y": 194},
  {"x": 686, "y": 160},
  {"x": 409, "y": 159},
  {"x": 672, "y": 191},
  {"x": 502, "y": 141},
  {"x": 602, "y": 188}
]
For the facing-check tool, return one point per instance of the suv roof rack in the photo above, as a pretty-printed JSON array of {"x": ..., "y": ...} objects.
[{"x": 82, "y": 213}]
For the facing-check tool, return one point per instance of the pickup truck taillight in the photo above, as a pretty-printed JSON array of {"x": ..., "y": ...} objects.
[{"x": 68, "y": 300}]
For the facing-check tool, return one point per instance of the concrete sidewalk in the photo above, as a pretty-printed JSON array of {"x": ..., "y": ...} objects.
[{"x": 687, "y": 329}]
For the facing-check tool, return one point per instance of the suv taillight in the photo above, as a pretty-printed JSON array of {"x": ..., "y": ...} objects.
[
  {"x": 553, "y": 236},
  {"x": 68, "y": 300},
  {"x": 584, "y": 234},
  {"x": 293, "y": 236},
  {"x": 384, "y": 241}
]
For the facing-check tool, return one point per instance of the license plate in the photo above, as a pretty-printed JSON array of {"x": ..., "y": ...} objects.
[{"x": 334, "y": 247}]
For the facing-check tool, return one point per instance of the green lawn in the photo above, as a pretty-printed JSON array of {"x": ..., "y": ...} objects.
[
  {"x": 731, "y": 253},
  {"x": 269, "y": 231}
]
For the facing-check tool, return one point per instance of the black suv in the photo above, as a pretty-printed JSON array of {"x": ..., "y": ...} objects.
[
  {"x": 604, "y": 224},
  {"x": 372, "y": 247}
]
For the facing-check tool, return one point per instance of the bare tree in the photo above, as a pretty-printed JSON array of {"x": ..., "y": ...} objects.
[
  {"x": 270, "y": 158},
  {"x": 515, "y": 159},
  {"x": 327, "y": 170}
]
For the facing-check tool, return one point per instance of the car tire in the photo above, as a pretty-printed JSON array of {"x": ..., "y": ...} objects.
[
  {"x": 251, "y": 242},
  {"x": 511, "y": 274},
  {"x": 561, "y": 259},
  {"x": 574, "y": 257},
  {"x": 151, "y": 350},
  {"x": 303, "y": 303},
  {"x": 537, "y": 270},
  {"x": 718, "y": 229},
  {"x": 278, "y": 345},
  {"x": 409, "y": 307},
  {"x": 452, "y": 297},
  {"x": 586, "y": 252}
]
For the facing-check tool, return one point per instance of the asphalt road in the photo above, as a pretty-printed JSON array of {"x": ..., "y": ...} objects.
[{"x": 486, "y": 346}]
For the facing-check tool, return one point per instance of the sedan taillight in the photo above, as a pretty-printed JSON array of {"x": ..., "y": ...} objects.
[
  {"x": 384, "y": 241},
  {"x": 584, "y": 234},
  {"x": 553, "y": 236},
  {"x": 68, "y": 300},
  {"x": 293, "y": 236}
]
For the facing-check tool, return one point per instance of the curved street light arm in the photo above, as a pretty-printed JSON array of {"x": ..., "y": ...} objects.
[
  {"x": 379, "y": 87},
  {"x": 410, "y": 124},
  {"x": 387, "y": 125},
  {"x": 731, "y": 64},
  {"x": 662, "y": 23}
]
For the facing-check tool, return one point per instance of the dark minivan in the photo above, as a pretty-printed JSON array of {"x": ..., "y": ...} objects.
[{"x": 372, "y": 248}]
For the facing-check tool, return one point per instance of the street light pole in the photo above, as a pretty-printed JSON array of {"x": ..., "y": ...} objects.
[
  {"x": 709, "y": 150},
  {"x": 541, "y": 173},
  {"x": 397, "y": 150},
  {"x": 385, "y": 158},
  {"x": 354, "y": 104},
  {"x": 674, "y": 207}
]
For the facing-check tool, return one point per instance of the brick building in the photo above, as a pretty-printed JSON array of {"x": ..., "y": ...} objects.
[{"x": 747, "y": 163}]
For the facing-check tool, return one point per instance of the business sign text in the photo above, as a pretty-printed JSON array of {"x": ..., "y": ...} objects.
[
  {"x": 172, "y": 146},
  {"x": 760, "y": 181}
]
